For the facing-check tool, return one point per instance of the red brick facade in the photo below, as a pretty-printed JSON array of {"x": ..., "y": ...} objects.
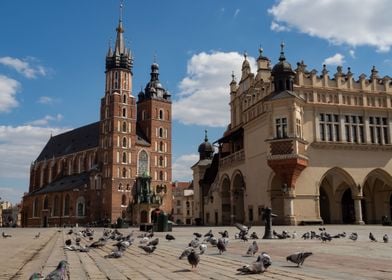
[{"x": 90, "y": 174}]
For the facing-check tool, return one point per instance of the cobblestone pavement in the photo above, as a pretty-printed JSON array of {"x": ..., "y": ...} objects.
[{"x": 22, "y": 254}]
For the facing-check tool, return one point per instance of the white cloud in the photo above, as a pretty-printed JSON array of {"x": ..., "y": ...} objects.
[
  {"x": 21, "y": 145},
  {"x": 45, "y": 120},
  {"x": 237, "y": 11},
  {"x": 352, "y": 53},
  {"x": 339, "y": 22},
  {"x": 24, "y": 66},
  {"x": 8, "y": 89},
  {"x": 45, "y": 100},
  {"x": 182, "y": 167},
  {"x": 278, "y": 27},
  {"x": 204, "y": 92},
  {"x": 337, "y": 59}
]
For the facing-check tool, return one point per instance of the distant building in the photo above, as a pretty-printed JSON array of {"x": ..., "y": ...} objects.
[
  {"x": 183, "y": 203},
  {"x": 314, "y": 148},
  {"x": 118, "y": 167}
]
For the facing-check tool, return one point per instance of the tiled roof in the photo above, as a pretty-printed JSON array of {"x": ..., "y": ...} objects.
[
  {"x": 79, "y": 139},
  {"x": 65, "y": 184}
]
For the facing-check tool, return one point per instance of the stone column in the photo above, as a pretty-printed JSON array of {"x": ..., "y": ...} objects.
[
  {"x": 358, "y": 210},
  {"x": 288, "y": 202}
]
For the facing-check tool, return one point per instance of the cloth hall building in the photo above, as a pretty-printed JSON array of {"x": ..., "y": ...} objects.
[
  {"x": 313, "y": 147},
  {"x": 118, "y": 167}
]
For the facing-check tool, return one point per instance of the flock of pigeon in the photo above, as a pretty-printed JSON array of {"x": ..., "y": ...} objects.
[{"x": 195, "y": 248}]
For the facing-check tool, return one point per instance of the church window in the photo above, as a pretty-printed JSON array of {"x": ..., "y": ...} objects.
[
  {"x": 56, "y": 206},
  {"x": 124, "y": 173},
  {"x": 160, "y": 132},
  {"x": 161, "y": 146},
  {"x": 123, "y": 200},
  {"x": 124, "y": 112},
  {"x": 128, "y": 187},
  {"x": 35, "y": 207},
  {"x": 124, "y": 143},
  {"x": 116, "y": 79},
  {"x": 161, "y": 114},
  {"x": 167, "y": 115},
  {"x": 281, "y": 127},
  {"x": 80, "y": 207},
  {"x": 124, "y": 98},
  {"x": 120, "y": 187},
  {"x": 161, "y": 175},
  {"x": 124, "y": 157},
  {"x": 143, "y": 163},
  {"x": 46, "y": 203},
  {"x": 66, "y": 205},
  {"x": 161, "y": 161},
  {"x": 124, "y": 127}
]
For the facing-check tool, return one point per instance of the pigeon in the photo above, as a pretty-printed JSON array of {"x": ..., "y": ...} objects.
[
  {"x": 97, "y": 244},
  {"x": 224, "y": 234},
  {"x": 209, "y": 234},
  {"x": 60, "y": 273},
  {"x": 194, "y": 243},
  {"x": 221, "y": 246},
  {"x": 153, "y": 242},
  {"x": 254, "y": 235},
  {"x": 115, "y": 254},
  {"x": 253, "y": 248},
  {"x": 259, "y": 266},
  {"x": 37, "y": 235},
  {"x": 36, "y": 276},
  {"x": 169, "y": 237},
  {"x": 5, "y": 235},
  {"x": 193, "y": 258},
  {"x": 198, "y": 235},
  {"x": 385, "y": 238},
  {"x": 148, "y": 249},
  {"x": 298, "y": 258},
  {"x": 306, "y": 235},
  {"x": 203, "y": 248},
  {"x": 68, "y": 242},
  {"x": 353, "y": 236},
  {"x": 144, "y": 240},
  {"x": 372, "y": 238},
  {"x": 185, "y": 253},
  {"x": 242, "y": 227},
  {"x": 123, "y": 244},
  {"x": 294, "y": 235},
  {"x": 213, "y": 241}
]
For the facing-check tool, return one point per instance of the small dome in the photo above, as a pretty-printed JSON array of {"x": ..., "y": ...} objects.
[
  {"x": 205, "y": 149},
  {"x": 245, "y": 64},
  {"x": 282, "y": 65}
]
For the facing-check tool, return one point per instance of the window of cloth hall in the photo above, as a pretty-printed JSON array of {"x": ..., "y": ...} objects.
[
  {"x": 281, "y": 128},
  {"x": 329, "y": 127}
]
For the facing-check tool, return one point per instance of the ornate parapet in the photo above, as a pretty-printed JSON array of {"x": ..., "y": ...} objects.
[{"x": 233, "y": 159}]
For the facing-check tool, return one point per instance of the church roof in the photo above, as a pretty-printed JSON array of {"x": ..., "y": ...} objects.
[
  {"x": 67, "y": 183},
  {"x": 79, "y": 139}
]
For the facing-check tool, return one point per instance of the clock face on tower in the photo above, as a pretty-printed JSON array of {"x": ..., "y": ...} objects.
[{"x": 143, "y": 163}]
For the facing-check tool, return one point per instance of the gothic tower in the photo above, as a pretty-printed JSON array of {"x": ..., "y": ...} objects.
[
  {"x": 154, "y": 120},
  {"x": 117, "y": 130}
]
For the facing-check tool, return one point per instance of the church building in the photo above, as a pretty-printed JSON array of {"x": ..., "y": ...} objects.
[
  {"x": 117, "y": 167},
  {"x": 316, "y": 148}
]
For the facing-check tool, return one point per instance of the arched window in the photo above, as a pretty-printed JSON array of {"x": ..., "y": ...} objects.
[
  {"x": 124, "y": 173},
  {"x": 124, "y": 112},
  {"x": 160, "y": 161},
  {"x": 46, "y": 203},
  {"x": 160, "y": 132},
  {"x": 123, "y": 200},
  {"x": 161, "y": 175},
  {"x": 81, "y": 207},
  {"x": 35, "y": 207},
  {"x": 143, "y": 163},
  {"x": 161, "y": 146},
  {"x": 124, "y": 142},
  {"x": 124, "y": 98},
  {"x": 115, "y": 79},
  {"x": 124, "y": 127},
  {"x": 160, "y": 114},
  {"x": 120, "y": 187},
  {"x": 128, "y": 187},
  {"x": 124, "y": 157},
  {"x": 56, "y": 206},
  {"x": 66, "y": 205}
]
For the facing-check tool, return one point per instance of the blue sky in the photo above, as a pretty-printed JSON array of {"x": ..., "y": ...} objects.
[{"x": 52, "y": 56}]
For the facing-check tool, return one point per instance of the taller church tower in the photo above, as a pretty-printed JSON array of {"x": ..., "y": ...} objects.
[{"x": 117, "y": 129}]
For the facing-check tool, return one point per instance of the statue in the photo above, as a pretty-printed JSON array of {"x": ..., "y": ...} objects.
[{"x": 267, "y": 218}]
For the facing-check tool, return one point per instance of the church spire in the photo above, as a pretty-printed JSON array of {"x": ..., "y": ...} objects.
[{"x": 120, "y": 45}]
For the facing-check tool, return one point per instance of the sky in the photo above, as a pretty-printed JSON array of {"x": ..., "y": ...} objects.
[{"x": 52, "y": 60}]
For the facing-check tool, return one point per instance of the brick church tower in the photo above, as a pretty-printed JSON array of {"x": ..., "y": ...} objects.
[{"x": 117, "y": 128}]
